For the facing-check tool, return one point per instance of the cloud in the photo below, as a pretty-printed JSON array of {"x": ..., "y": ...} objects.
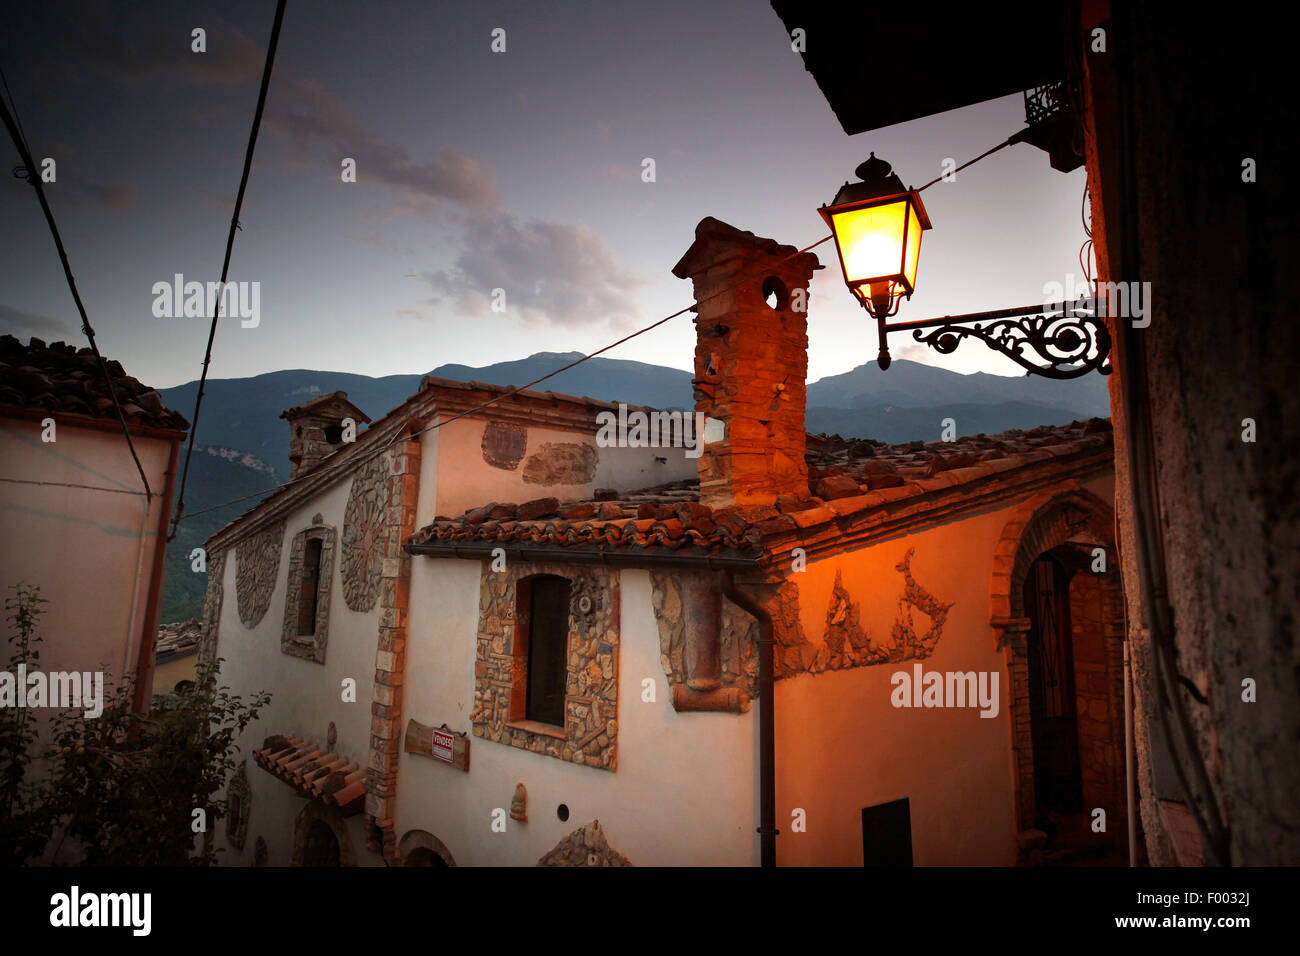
[
  {"x": 916, "y": 352},
  {"x": 552, "y": 273},
  {"x": 106, "y": 194},
  {"x": 308, "y": 114},
  {"x": 15, "y": 321},
  {"x": 625, "y": 172},
  {"x": 134, "y": 46},
  {"x": 302, "y": 110}
]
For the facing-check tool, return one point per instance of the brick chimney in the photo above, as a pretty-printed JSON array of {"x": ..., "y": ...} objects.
[
  {"x": 316, "y": 429},
  {"x": 751, "y": 362}
]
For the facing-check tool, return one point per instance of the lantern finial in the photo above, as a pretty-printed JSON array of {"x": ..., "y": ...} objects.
[{"x": 873, "y": 170}]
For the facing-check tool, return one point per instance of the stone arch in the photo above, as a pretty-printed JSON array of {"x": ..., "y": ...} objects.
[
  {"x": 1040, "y": 524},
  {"x": 1046, "y": 522},
  {"x": 417, "y": 843},
  {"x": 330, "y": 817}
]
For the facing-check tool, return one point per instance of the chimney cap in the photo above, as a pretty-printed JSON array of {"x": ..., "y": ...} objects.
[
  {"x": 328, "y": 404},
  {"x": 713, "y": 237}
]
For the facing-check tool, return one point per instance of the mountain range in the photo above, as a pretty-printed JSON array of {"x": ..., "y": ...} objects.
[{"x": 245, "y": 444}]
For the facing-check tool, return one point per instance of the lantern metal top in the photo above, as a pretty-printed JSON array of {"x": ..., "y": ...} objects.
[{"x": 878, "y": 182}]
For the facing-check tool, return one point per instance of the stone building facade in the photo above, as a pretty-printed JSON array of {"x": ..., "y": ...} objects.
[{"x": 875, "y": 563}]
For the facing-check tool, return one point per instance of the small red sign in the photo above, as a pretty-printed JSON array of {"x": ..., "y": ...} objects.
[{"x": 442, "y": 745}]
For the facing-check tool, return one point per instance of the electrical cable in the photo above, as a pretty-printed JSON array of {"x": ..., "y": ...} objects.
[
  {"x": 361, "y": 459},
  {"x": 1086, "y": 251},
  {"x": 14, "y": 126},
  {"x": 1009, "y": 141},
  {"x": 69, "y": 484},
  {"x": 225, "y": 265}
]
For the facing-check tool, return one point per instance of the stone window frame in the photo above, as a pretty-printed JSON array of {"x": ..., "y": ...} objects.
[
  {"x": 309, "y": 647},
  {"x": 415, "y": 840},
  {"x": 590, "y": 733}
]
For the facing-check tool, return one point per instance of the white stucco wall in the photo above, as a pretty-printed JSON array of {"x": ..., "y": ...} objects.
[
  {"x": 466, "y": 480},
  {"x": 306, "y": 696},
  {"x": 89, "y": 549},
  {"x": 841, "y": 744},
  {"x": 684, "y": 792}
]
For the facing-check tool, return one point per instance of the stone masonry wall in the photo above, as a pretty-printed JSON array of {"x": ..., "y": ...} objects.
[
  {"x": 751, "y": 362},
  {"x": 212, "y": 601},
  {"x": 311, "y": 647},
  {"x": 391, "y": 488},
  {"x": 257, "y": 560},
  {"x": 590, "y": 733}
]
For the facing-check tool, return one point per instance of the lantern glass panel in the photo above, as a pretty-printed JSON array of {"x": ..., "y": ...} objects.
[
  {"x": 871, "y": 241},
  {"x": 913, "y": 247}
]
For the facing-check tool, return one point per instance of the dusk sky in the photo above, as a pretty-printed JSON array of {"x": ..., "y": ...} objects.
[{"x": 476, "y": 170}]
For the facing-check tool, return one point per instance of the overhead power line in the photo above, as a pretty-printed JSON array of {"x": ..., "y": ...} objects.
[
  {"x": 29, "y": 172},
  {"x": 225, "y": 265},
  {"x": 357, "y": 460}
]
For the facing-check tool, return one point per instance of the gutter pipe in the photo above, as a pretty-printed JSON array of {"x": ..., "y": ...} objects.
[{"x": 766, "y": 720}]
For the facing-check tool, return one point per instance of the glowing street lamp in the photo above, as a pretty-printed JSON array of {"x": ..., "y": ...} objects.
[{"x": 877, "y": 225}]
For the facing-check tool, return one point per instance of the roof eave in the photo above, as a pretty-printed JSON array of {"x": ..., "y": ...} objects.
[{"x": 633, "y": 557}]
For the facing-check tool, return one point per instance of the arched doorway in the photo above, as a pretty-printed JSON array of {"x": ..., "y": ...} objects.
[
  {"x": 1058, "y": 784},
  {"x": 320, "y": 838},
  {"x": 422, "y": 856},
  {"x": 1059, "y": 616},
  {"x": 321, "y": 847},
  {"x": 421, "y": 848}
]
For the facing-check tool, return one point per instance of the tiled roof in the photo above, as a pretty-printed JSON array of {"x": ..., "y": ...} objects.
[
  {"x": 448, "y": 385},
  {"x": 177, "y": 640},
  {"x": 846, "y": 477},
  {"x": 338, "y": 398},
  {"x": 61, "y": 378},
  {"x": 315, "y": 773},
  {"x": 664, "y": 517},
  {"x": 447, "y": 397}
]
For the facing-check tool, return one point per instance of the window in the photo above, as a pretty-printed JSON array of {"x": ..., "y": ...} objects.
[
  {"x": 307, "y": 599},
  {"x": 307, "y": 596},
  {"x": 546, "y": 664},
  {"x": 547, "y": 651},
  {"x": 887, "y": 834}
]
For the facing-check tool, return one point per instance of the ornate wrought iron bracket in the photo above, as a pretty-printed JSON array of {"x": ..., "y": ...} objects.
[
  {"x": 1062, "y": 340},
  {"x": 1045, "y": 103}
]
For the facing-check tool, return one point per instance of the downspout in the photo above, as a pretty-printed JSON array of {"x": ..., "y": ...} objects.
[
  {"x": 1130, "y": 777},
  {"x": 149, "y": 636},
  {"x": 132, "y": 612},
  {"x": 766, "y": 720}
]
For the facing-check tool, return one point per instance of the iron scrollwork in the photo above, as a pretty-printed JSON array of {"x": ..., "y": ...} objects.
[{"x": 1064, "y": 345}]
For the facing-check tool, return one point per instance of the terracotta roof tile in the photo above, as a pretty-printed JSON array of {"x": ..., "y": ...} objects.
[
  {"x": 317, "y": 774},
  {"x": 61, "y": 378},
  {"x": 670, "y": 517}
]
